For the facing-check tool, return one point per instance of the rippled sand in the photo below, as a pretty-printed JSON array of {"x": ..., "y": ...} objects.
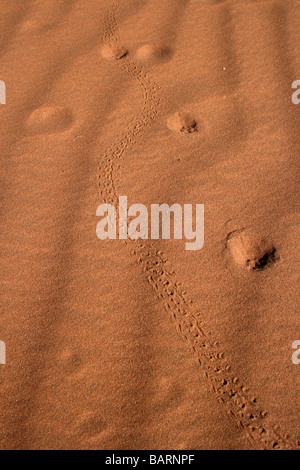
[{"x": 114, "y": 345}]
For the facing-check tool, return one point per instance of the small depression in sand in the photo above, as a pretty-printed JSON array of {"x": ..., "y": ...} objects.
[
  {"x": 249, "y": 250},
  {"x": 91, "y": 424},
  {"x": 34, "y": 26},
  {"x": 208, "y": 2},
  {"x": 114, "y": 51},
  {"x": 49, "y": 120},
  {"x": 168, "y": 395},
  {"x": 70, "y": 361},
  {"x": 182, "y": 122},
  {"x": 151, "y": 53},
  {"x": 30, "y": 26}
]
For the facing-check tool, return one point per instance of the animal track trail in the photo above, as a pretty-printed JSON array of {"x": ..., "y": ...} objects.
[
  {"x": 106, "y": 184},
  {"x": 237, "y": 399}
]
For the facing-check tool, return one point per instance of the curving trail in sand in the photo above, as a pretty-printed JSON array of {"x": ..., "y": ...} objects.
[
  {"x": 239, "y": 403},
  {"x": 92, "y": 363}
]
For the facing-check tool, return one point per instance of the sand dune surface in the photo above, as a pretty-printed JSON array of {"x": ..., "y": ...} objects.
[{"x": 121, "y": 344}]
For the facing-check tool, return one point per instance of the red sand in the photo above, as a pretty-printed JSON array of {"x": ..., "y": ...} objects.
[{"x": 114, "y": 345}]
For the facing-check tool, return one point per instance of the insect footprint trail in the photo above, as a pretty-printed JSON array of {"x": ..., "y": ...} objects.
[{"x": 239, "y": 403}]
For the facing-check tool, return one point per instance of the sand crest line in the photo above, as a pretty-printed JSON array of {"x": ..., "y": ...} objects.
[{"x": 237, "y": 399}]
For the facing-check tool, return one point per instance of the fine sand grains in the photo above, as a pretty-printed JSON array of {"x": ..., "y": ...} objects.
[{"x": 107, "y": 353}]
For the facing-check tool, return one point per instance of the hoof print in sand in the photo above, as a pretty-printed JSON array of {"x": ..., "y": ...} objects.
[
  {"x": 251, "y": 251},
  {"x": 114, "y": 51},
  {"x": 182, "y": 122},
  {"x": 152, "y": 53},
  {"x": 48, "y": 120}
]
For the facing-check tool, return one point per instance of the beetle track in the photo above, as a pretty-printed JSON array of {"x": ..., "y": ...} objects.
[{"x": 240, "y": 405}]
